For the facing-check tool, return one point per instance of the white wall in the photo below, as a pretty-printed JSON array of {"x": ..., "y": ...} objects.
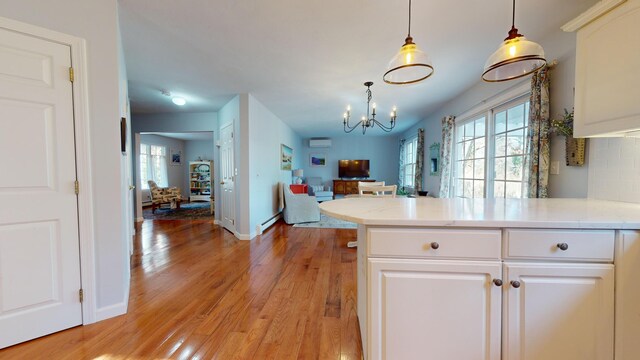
[
  {"x": 176, "y": 174},
  {"x": 614, "y": 169},
  {"x": 174, "y": 122},
  {"x": 266, "y": 133},
  {"x": 382, "y": 152},
  {"x": 572, "y": 181},
  {"x": 96, "y": 22}
]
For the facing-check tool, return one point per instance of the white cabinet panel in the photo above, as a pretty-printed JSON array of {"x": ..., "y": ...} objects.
[
  {"x": 433, "y": 309},
  {"x": 558, "y": 312},
  {"x": 607, "y": 73}
]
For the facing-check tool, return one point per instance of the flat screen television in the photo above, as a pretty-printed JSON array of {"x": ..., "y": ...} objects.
[{"x": 353, "y": 168}]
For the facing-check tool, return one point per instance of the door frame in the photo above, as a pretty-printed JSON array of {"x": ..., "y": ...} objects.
[{"x": 82, "y": 152}]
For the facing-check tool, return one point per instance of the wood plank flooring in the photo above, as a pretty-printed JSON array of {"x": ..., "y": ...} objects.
[{"x": 199, "y": 293}]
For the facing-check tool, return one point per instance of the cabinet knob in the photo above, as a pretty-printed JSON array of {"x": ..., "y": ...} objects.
[
  {"x": 435, "y": 245},
  {"x": 563, "y": 246},
  {"x": 515, "y": 283},
  {"x": 497, "y": 282}
]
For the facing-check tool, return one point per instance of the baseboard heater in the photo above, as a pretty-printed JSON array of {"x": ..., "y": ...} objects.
[{"x": 265, "y": 225}]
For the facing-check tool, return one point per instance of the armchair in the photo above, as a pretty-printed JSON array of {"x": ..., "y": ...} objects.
[
  {"x": 166, "y": 195},
  {"x": 317, "y": 189},
  {"x": 299, "y": 208}
]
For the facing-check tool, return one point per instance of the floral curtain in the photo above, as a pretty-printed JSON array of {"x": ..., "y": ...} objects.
[
  {"x": 419, "y": 161},
  {"x": 448, "y": 125},
  {"x": 401, "y": 165},
  {"x": 538, "y": 136}
]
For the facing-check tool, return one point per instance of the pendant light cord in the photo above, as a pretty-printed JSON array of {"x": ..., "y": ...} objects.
[
  {"x": 409, "y": 31},
  {"x": 513, "y": 17}
]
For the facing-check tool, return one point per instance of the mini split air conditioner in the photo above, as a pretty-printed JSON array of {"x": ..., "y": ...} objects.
[{"x": 319, "y": 143}]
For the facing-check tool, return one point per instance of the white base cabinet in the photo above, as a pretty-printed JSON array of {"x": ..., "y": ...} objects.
[
  {"x": 430, "y": 309},
  {"x": 549, "y": 294},
  {"x": 558, "y": 311}
]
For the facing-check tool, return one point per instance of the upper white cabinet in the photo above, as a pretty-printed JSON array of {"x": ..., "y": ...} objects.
[{"x": 607, "y": 69}]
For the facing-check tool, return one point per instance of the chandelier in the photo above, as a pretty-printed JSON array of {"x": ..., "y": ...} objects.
[{"x": 367, "y": 122}]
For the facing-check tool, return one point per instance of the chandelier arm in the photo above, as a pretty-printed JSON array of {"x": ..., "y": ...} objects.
[
  {"x": 383, "y": 127},
  {"x": 347, "y": 126}
]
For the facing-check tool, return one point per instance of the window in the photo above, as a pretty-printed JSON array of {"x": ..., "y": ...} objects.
[
  {"x": 153, "y": 165},
  {"x": 491, "y": 155},
  {"x": 409, "y": 169}
]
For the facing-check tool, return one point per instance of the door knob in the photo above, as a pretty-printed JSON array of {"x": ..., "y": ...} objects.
[
  {"x": 515, "y": 284},
  {"x": 131, "y": 187},
  {"x": 221, "y": 182}
]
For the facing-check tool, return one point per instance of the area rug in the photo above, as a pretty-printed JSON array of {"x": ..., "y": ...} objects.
[
  {"x": 190, "y": 211},
  {"x": 329, "y": 223}
]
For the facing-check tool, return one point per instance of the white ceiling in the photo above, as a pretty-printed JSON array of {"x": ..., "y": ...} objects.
[
  {"x": 197, "y": 135},
  {"x": 306, "y": 60}
]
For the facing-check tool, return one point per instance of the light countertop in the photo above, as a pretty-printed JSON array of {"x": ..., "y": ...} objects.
[{"x": 495, "y": 213}]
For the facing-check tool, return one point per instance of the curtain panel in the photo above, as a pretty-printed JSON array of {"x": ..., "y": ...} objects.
[
  {"x": 417, "y": 183},
  {"x": 401, "y": 165},
  {"x": 448, "y": 126},
  {"x": 538, "y": 135}
]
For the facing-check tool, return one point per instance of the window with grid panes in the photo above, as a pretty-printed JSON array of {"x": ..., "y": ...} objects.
[
  {"x": 491, "y": 155},
  {"x": 410, "y": 147},
  {"x": 153, "y": 165}
]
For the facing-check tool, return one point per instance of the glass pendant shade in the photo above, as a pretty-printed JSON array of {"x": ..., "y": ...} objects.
[
  {"x": 409, "y": 66},
  {"x": 517, "y": 57}
]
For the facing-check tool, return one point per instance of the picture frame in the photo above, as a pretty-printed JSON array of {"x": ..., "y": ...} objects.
[
  {"x": 317, "y": 159},
  {"x": 176, "y": 156},
  {"x": 286, "y": 158},
  {"x": 123, "y": 136}
]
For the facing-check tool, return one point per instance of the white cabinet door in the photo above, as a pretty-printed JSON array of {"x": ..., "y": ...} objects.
[
  {"x": 607, "y": 73},
  {"x": 433, "y": 309},
  {"x": 558, "y": 311}
]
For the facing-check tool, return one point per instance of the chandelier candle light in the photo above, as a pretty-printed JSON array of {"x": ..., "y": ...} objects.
[
  {"x": 516, "y": 57},
  {"x": 367, "y": 122}
]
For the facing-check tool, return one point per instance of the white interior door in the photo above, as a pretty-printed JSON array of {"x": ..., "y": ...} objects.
[
  {"x": 227, "y": 184},
  {"x": 39, "y": 247}
]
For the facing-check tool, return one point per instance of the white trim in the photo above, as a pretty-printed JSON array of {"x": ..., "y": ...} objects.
[
  {"x": 110, "y": 311},
  {"x": 597, "y": 10},
  {"x": 83, "y": 156},
  {"x": 497, "y": 100},
  {"x": 240, "y": 236}
]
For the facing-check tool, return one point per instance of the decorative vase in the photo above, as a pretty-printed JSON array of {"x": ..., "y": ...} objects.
[{"x": 575, "y": 148}]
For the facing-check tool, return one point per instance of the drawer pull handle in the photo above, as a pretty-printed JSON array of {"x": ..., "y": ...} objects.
[
  {"x": 497, "y": 282},
  {"x": 563, "y": 246},
  {"x": 435, "y": 245},
  {"x": 515, "y": 283}
]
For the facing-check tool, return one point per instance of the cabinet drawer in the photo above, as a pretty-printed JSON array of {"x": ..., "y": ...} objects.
[
  {"x": 583, "y": 245},
  {"x": 469, "y": 244}
]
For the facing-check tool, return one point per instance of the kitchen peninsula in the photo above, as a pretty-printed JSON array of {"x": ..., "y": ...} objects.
[{"x": 496, "y": 279}]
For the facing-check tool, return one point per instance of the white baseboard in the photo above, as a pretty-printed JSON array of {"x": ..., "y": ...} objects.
[
  {"x": 243, "y": 236},
  {"x": 111, "y": 311}
]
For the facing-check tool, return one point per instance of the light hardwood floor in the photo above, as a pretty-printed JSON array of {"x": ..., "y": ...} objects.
[{"x": 199, "y": 293}]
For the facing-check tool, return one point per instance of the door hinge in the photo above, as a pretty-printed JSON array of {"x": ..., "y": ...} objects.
[
  {"x": 71, "y": 77},
  {"x": 81, "y": 295},
  {"x": 77, "y": 187}
]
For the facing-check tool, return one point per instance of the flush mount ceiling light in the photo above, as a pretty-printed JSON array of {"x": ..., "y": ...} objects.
[
  {"x": 180, "y": 101},
  {"x": 516, "y": 57},
  {"x": 410, "y": 65},
  {"x": 367, "y": 122}
]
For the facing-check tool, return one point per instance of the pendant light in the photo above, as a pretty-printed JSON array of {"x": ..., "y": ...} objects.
[
  {"x": 410, "y": 65},
  {"x": 516, "y": 57}
]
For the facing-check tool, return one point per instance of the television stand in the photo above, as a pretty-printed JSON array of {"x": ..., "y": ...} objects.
[{"x": 347, "y": 187}]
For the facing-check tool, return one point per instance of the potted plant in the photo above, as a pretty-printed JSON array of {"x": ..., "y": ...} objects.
[{"x": 574, "y": 147}]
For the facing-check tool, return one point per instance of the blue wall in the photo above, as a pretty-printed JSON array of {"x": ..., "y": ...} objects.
[{"x": 382, "y": 152}]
